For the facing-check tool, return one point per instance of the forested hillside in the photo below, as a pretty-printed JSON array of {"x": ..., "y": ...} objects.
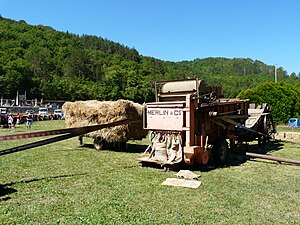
[
  {"x": 55, "y": 65},
  {"x": 235, "y": 75}
]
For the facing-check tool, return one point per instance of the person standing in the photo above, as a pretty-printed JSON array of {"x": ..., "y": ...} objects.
[
  {"x": 29, "y": 119},
  {"x": 18, "y": 119},
  {"x": 10, "y": 122}
]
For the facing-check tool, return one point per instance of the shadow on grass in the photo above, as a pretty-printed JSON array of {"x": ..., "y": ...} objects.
[
  {"x": 270, "y": 146},
  {"x": 131, "y": 148},
  {"x": 134, "y": 148},
  {"x": 5, "y": 189},
  {"x": 235, "y": 158},
  {"x": 238, "y": 156}
]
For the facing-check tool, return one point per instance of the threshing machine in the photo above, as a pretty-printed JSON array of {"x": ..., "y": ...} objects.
[{"x": 191, "y": 123}]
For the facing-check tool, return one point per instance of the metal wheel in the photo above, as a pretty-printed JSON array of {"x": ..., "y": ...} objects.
[
  {"x": 220, "y": 151},
  {"x": 99, "y": 143},
  {"x": 80, "y": 140},
  {"x": 268, "y": 125},
  {"x": 123, "y": 145}
]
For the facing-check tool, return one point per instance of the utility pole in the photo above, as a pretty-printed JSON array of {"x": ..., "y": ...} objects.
[{"x": 275, "y": 74}]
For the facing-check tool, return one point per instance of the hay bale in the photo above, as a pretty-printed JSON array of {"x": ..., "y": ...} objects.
[{"x": 92, "y": 112}]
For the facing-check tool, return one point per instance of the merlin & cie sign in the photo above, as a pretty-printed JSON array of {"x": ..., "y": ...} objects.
[
  {"x": 164, "y": 112},
  {"x": 165, "y": 118}
]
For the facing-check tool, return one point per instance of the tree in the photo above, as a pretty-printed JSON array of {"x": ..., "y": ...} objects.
[
  {"x": 57, "y": 65},
  {"x": 77, "y": 64},
  {"x": 284, "y": 98}
]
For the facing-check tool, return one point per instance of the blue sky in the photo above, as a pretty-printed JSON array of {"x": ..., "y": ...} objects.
[{"x": 176, "y": 30}]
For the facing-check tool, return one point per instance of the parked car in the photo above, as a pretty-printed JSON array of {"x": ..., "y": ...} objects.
[
  {"x": 58, "y": 114},
  {"x": 29, "y": 111},
  {"x": 43, "y": 114},
  {"x": 3, "y": 111}
]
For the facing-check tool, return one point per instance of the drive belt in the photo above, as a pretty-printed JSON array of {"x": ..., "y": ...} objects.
[{"x": 68, "y": 133}]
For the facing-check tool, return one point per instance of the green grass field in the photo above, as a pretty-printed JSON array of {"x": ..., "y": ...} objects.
[
  {"x": 64, "y": 183},
  {"x": 284, "y": 128}
]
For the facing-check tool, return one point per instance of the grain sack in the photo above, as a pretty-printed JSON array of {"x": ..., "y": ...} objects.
[{"x": 92, "y": 112}]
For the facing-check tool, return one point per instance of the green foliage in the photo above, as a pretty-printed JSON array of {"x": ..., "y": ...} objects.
[
  {"x": 55, "y": 65},
  {"x": 234, "y": 75},
  {"x": 284, "y": 98}
]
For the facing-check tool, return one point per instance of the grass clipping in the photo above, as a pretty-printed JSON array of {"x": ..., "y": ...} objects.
[{"x": 92, "y": 112}]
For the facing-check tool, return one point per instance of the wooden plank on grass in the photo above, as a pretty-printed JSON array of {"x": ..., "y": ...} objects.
[{"x": 182, "y": 183}]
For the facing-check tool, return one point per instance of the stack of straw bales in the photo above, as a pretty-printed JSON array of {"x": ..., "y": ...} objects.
[{"x": 87, "y": 113}]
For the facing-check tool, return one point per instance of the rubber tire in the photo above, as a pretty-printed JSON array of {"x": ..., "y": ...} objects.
[{"x": 221, "y": 152}]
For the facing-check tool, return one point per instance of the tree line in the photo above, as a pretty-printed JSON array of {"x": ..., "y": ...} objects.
[
  {"x": 57, "y": 65},
  {"x": 284, "y": 98}
]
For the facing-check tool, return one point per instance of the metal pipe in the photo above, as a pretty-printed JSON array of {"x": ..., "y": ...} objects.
[{"x": 273, "y": 158}]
